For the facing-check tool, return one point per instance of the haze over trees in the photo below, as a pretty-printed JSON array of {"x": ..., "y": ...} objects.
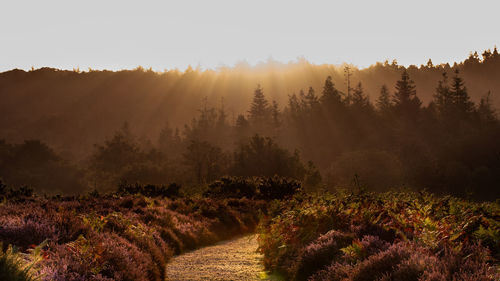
[{"x": 432, "y": 127}]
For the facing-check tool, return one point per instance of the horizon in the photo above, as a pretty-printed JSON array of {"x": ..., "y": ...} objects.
[
  {"x": 223, "y": 34},
  {"x": 256, "y": 66}
]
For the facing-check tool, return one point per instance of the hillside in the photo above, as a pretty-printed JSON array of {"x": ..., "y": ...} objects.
[{"x": 72, "y": 110}]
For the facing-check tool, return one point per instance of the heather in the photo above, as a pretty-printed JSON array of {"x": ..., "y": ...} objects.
[
  {"x": 384, "y": 236},
  {"x": 119, "y": 236}
]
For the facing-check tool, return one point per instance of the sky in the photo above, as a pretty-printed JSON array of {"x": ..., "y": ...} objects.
[{"x": 109, "y": 34}]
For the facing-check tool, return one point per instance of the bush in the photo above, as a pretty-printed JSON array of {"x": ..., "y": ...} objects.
[
  {"x": 232, "y": 187},
  {"x": 265, "y": 188},
  {"x": 150, "y": 190},
  {"x": 15, "y": 194}
]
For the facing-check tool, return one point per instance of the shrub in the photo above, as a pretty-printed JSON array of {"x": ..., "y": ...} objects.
[
  {"x": 232, "y": 187},
  {"x": 265, "y": 188},
  {"x": 277, "y": 188},
  {"x": 150, "y": 190}
]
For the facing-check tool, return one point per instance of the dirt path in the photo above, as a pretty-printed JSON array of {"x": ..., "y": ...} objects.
[{"x": 230, "y": 260}]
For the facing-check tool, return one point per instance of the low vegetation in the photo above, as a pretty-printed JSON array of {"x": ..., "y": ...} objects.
[
  {"x": 132, "y": 233},
  {"x": 122, "y": 236},
  {"x": 388, "y": 236}
]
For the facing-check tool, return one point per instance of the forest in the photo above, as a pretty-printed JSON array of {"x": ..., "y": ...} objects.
[
  {"x": 383, "y": 173},
  {"x": 67, "y": 132}
]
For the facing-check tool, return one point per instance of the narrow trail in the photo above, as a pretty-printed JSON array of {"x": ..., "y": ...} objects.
[{"x": 229, "y": 260}]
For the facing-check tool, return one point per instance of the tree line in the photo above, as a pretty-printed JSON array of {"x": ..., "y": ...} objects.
[
  {"x": 72, "y": 110},
  {"x": 324, "y": 136}
]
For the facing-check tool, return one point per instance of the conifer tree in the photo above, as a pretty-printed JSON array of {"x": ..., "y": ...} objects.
[
  {"x": 429, "y": 64},
  {"x": 405, "y": 98},
  {"x": 495, "y": 54},
  {"x": 442, "y": 97},
  {"x": 384, "y": 101},
  {"x": 259, "y": 109},
  {"x": 463, "y": 106},
  {"x": 242, "y": 127},
  {"x": 359, "y": 99},
  {"x": 486, "y": 110},
  {"x": 275, "y": 114},
  {"x": 330, "y": 95},
  {"x": 311, "y": 98}
]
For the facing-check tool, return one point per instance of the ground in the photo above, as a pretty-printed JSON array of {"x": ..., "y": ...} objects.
[{"x": 229, "y": 260}]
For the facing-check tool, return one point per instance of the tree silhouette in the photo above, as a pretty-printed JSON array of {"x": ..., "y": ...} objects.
[
  {"x": 34, "y": 164},
  {"x": 359, "y": 100},
  {"x": 443, "y": 99},
  {"x": 330, "y": 95},
  {"x": 205, "y": 160},
  {"x": 259, "y": 109},
  {"x": 263, "y": 157},
  {"x": 275, "y": 114},
  {"x": 383, "y": 101},
  {"x": 461, "y": 101},
  {"x": 487, "y": 113},
  {"x": 311, "y": 99},
  {"x": 406, "y": 102},
  {"x": 170, "y": 142}
]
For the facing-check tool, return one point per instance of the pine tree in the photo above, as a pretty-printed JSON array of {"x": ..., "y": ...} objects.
[
  {"x": 495, "y": 54},
  {"x": 241, "y": 122},
  {"x": 405, "y": 98},
  {"x": 486, "y": 55},
  {"x": 359, "y": 99},
  {"x": 275, "y": 114},
  {"x": 429, "y": 64},
  {"x": 259, "y": 109},
  {"x": 486, "y": 110},
  {"x": 330, "y": 95},
  {"x": 442, "y": 97},
  {"x": 462, "y": 104},
  {"x": 384, "y": 102},
  {"x": 311, "y": 98}
]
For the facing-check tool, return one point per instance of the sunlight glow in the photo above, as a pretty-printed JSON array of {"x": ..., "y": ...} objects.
[{"x": 174, "y": 34}]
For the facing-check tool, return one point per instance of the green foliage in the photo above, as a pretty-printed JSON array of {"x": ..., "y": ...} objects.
[
  {"x": 431, "y": 222},
  {"x": 15, "y": 266},
  {"x": 355, "y": 251}
]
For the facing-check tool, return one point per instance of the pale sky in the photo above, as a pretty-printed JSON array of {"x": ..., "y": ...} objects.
[{"x": 109, "y": 34}]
